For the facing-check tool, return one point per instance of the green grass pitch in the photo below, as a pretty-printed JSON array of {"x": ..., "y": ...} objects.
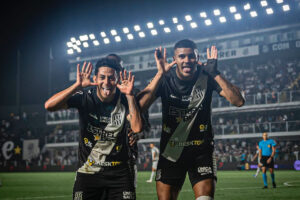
[{"x": 231, "y": 185}]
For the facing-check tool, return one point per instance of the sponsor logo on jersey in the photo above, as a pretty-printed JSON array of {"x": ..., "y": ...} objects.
[
  {"x": 128, "y": 195},
  {"x": 186, "y": 143},
  {"x": 183, "y": 114},
  {"x": 78, "y": 195},
  {"x": 87, "y": 142},
  {"x": 118, "y": 148},
  {"x": 204, "y": 170},
  {"x": 102, "y": 134}
]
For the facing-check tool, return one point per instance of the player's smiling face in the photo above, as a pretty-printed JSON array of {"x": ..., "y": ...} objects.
[
  {"x": 107, "y": 82},
  {"x": 186, "y": 63}
]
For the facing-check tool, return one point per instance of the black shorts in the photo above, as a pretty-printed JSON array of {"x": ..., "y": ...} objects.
[
  {"x": 116, "y": 185},
  {"x": 264, "y": 163},
  {"x": 199, "y": 168}
]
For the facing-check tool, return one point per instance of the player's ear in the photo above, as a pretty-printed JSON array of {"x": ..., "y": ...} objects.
[{"x": 95, "y": 79}]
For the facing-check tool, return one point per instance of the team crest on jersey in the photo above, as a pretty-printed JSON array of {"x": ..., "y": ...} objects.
[
  {"x": 118, "y": 148},
  {"x": 269, "y": 146},
  {"x": 90, "y": 162},
  {"x": 203, "y": 127}
]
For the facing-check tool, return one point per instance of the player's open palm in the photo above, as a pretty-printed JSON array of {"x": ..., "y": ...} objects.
[
  {"x": 161, "y": 60},
  {"x": 127, "y": 83},
  {"x": 84, "y": 76}
]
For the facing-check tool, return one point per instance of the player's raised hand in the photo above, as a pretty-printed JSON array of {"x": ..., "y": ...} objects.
[
  {"x": 161, "y": 60},
  {"x": 127, "y": 83},
  {"x": 84, "y": 76},
  {"x": 211, "y": 67}
]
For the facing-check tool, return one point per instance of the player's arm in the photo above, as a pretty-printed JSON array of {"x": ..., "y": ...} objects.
[
  {"x": 259, "y": 154},
  {"x": 126, "y": 87},
  {"x": 254, "y": 157},
  {"x": 147, "y": 96},
  {"x": 59, "y": 100},
  {"x": 229, "y": 91}
]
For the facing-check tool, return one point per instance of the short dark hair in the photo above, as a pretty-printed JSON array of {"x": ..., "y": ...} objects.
[
  {"x": 105, "y": 62},
  {"x": 117, "y": 58},
  {"x": 186, "y": 43}
]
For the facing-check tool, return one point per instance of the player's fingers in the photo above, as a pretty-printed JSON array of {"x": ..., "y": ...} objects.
[
  {"x": 78, "y": 70},
  {"x": 165, "y": 54},
  {"x": 83, "y": 67},
  {"x": 132, "y": 80},
  {"x": 121, "y": 76},
  {"x": 90, "y": 68},
  {"x": 207, "y": 52},
  {"x": 125, "y": 75}
]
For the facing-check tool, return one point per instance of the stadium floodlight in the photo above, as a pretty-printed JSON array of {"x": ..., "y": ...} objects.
[
  {"x": 269, "y": 11},
  {"x": 125, "y": 30},
  {"x": 85, "y": 44},
  {"x": 194, "y": 25},
  {"x": 78, "y": 50},
  {"x": 78, "y": 43},
  {"x": 118, "y": 39},
  {"x": 180, "y": 27},
  {"x": 217, "y": 12},
  {"x": 74, "y": 46},
  {"x": 232, "y": 9},
  {"x": 264, "y": 3},
  {"x": 106, "y": 41},
  {"x": 113, "y": 32},
  {"x": 83, "y": 37},
  {"x": 69, "y": 44},
  {"x": 73, "y": 39},
  {"x": 237, "y": 16},
  {"x": 222, "y": 19},
  {"x": 70, "y": 51},
  {"x": 167, "y": 30},
  {"x": 92, "y": 36},
  {"x": 253, "y": 14},
  {"x": 247, "y": 6},
  {"x": 208, "y": 22},
  {"x": 137, "y": 28},
  {"x": 175, "y": 20},
  {"x": 188, "y": 18},
  {"x": 286, "y": 7},
  {"x": 279, "y": 1},
  {"x": 130, "y": 36},
  {"x": 161, "y": 22},
  {"x": 103, "y": 34},
  {"x": 203, "y": 14},
  {"x": 154, "y": 32},
  {"x": 96, "y": 42},
  {"x": 142, "y": 34},
  {"x": 150, "y": 25}
]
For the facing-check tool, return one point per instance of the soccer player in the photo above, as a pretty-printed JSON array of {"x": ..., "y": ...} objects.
[
  {"x": 187, "y": 143},
  {"x": 155, "y": 156},
  {"x": 106, "y": 109},
  {"x": 266, "y": 155},
  {"x": 258, "y": 161}
]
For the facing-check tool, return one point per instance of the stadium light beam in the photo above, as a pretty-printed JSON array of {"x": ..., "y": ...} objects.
[
  {"x": 161, "y": 22},
  {"x": 142, "y": 34},
  {"x": 222, "y": 19},
  {"x": 263, "y": 3},
  {"x": 286, "y": 8},
  {"x": 194, "y": 25},
  {"x": 208, "y": 22},
  {"x": 96, "y": 43},
  {"x": 153, "y": 32},
  {"x": 180, "y": 27},
  {"x": 106, "y": 41},
  {"x": 188, "y": 18},
  {"x": 232, "y": 9},
  {"x": 238, "y": 16},
  {"x": 118, "y": 39},
  {"x": 150, "y": 25},
  {"x": 269, "y": 11},
  {"x": 137, "y": 28},
  {"x": 130, "y": 36},
  {"x": 247, "y": 6},
  {"x": 253, "y": 14},
  {"x": 217, "y": 12},
  {"x": 85, "y": 44},
  {"x": 73, "y": 39},
  {"x": 203, "y": 15},
  {"x": 69, "y": 44},
  {"x": 167, "y": 30},
  {"x": 92, "y": 36},
  {"x": 125, "y": 30},
  {"x": 103, "y": 34},
  {"x": 70, "y": 51},
  {"x": 113, "y": 32},
  {"x": 175, "y": 20},
  {"x": 83, "y": 38},
  {"x": 279, "y": 1}
]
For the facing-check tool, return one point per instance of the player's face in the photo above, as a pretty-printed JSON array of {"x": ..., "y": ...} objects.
[
  {"x": 186, "y": 63},
  {"x": 265, "y": 136},
  {"x": 107, "y": 82}
]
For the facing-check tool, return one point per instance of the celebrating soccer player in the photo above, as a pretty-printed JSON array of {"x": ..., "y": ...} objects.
[
  {"x": 105, "y": 113},
  {"x": 187, "y": 143}
]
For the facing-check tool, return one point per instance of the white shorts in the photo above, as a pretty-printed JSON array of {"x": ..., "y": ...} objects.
[{"x": 154, "y": 164}]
